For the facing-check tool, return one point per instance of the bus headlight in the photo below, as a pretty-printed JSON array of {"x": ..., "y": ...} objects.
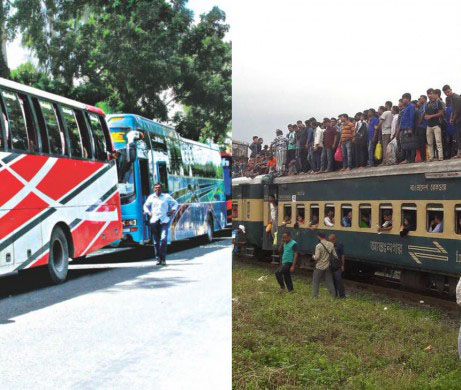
[{"x": 130, "y": 222}]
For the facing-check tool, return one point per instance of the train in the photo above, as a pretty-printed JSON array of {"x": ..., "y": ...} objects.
[{"x": 414, "y": 195}]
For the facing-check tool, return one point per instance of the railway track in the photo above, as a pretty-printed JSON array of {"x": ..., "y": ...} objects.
[{"x": 381, "y": 286}]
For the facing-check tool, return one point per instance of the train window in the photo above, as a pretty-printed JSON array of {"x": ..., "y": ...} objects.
[
  {"x": 100, "y": 147},
  {"x": 385, "y": 217},
  {"x": 434, "y": 218},
  {"x": 55, "y": 133},
  {"x": 300, "y": 214},
  {"x": 409, "y": 220},
  {"x": 365, "y": 216},
  {"x": 346, "y": 215},
  {"x": 235, "y": 210},
  {"x": 458, "y": 219},
  {"x": 14, "y": 121},
  {"x": 287, "y": 214},
  {"x": 315, "y": 210},
  {"x": 329, "y": 215}
]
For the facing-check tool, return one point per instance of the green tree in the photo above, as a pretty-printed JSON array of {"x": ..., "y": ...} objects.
[{"x": 128, "y": 53}]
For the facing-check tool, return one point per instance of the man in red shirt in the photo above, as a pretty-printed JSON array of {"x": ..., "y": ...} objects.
[{"x": 330, "y": 136}]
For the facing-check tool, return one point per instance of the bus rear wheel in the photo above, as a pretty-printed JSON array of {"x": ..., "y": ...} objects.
[{"x": 58, "y": 261}]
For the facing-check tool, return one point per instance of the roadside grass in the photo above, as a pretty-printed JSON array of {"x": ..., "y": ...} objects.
[{"x": 291, "y": 341}]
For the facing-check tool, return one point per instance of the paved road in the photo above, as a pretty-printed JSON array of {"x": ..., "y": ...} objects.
[{"x": 122, "y": 323}]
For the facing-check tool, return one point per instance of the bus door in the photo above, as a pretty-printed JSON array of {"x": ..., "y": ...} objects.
[
  {"x": 145, "y": 191},
  {"x": 162, "y": 175}
]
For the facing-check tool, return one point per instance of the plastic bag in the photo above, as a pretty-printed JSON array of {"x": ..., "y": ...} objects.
[
  {"x": 268, "y": 228},
  {"x": 379, "y": 151},
  {"x": 339, "y": 154},
  {"x": 391, "y": 151}
]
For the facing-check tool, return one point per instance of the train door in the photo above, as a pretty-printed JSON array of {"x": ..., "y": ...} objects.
[{"x": 268, "y": 237}]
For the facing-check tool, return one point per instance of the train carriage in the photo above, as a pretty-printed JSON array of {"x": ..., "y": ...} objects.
[{"x": 417, "y": 193}]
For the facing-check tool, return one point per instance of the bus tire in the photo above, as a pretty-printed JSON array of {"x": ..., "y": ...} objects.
[
  {"x": 58, "y": 261},
  {"x": 209, "y": 229}
]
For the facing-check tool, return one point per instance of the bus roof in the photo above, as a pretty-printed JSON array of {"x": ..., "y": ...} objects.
[
  {"x": 154, "y": 127},
  {"x": 50, "y": 96}
]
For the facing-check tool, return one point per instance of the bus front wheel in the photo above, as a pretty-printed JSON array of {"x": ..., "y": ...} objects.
[
  {"x": 58, "y": 261},
  {"x": 209, "y": 230}
]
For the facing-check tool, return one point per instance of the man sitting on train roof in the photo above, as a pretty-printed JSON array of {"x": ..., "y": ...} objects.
[{"x": 436, "y": 225}]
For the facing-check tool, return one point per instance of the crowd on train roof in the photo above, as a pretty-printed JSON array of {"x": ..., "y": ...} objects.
[{"x": 414, "y": 131}]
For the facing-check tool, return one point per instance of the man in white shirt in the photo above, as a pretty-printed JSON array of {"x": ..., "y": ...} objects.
[
  {"x": 330, "y": 219},
  {"x": 160, "y": 207},
  {"x": 385, "y": 125}
]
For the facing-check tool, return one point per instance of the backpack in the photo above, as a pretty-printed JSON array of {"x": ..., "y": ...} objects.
[{"x": 335, "y": 263}]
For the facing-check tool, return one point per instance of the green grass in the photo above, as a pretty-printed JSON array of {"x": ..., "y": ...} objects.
[{"x": 292, "y": 341}]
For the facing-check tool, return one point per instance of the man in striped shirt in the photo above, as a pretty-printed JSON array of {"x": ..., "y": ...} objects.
[{"x": 347, "y": 135}]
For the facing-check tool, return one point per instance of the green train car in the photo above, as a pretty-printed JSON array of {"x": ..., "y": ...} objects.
[{"x": 416, "y": 193}]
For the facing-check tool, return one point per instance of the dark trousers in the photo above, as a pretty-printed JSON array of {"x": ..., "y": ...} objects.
[
  {"x": 409, "y": 155},
  {"x": 159, "y": 237},
  {"x": 339, "y": 283},
  {"x": 327, "y": 159},
  {"x": 303, "y": 159},
  {"x": 291, "y": 155},
  {"x": 361, "y": 154},
  {"x": 422, "y": 140},
  {"x": 283, "y": 276},
  {"x": 317, "y": 159},
  {"x": 458, "y": 136}
]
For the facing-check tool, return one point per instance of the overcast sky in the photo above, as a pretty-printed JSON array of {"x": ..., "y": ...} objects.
[{"x": 297, "y": 59}]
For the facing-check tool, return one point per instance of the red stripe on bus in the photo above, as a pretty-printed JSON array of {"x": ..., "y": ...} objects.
[
  {"x": 10, "y": 187},
  {"x": 65, "y": 175},
  {"x": 94, "y": 109},
  {"x": 110, "y": 204},
  {"x": 30, "y": 206},
  {"x": 29, "y": 166},
  {"x": 110, "y": 236},
  {"x": 41, "y": 261},
  {"x": 83, "y": 235}
]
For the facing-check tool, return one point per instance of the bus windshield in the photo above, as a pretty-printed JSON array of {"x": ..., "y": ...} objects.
[{"x": 125, "y": 174}]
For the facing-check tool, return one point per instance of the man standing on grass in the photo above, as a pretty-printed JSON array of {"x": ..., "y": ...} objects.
[
  {"x": 289, "y": 251},
  {"x": 338, "y": 275},
  {"x": 323, "y": 250}
]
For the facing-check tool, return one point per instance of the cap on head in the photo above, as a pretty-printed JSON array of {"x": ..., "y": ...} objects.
[{"x": 242, "y": 228}]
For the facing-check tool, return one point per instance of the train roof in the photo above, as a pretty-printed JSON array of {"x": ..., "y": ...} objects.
[
  {"x": 436, "y": 169},
  {"x": 49, "y": 96}
]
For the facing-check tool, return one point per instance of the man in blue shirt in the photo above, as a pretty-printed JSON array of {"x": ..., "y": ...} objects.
[
  {"x": 160, "y": 207},
  {"x": 421, "y": 126},
  {"x": 373, "y": 121},
  {"x": 406, "y": 131}
]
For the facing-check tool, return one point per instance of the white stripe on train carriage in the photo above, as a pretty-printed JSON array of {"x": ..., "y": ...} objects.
[
  {"x": 96, "y": 237},
  {"x": 29, "y": 186},
  {"x": 42, "y": 94}
]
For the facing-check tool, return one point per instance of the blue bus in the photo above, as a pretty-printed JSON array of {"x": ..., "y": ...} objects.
[
  {"x": 226, "y": 159},
  {"x": 191, "y": 172}
]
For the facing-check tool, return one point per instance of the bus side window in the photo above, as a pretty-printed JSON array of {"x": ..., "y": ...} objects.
[
  {"x": 14, "y": 121},
  {"x": 55, "y": 134},
  {"x": 68, "y": 117},
  {"x": 85, "y": 134},
  {"x": 101, "y": 147},
  {"x": 32, "y": 134},
  {"x": 41, "y": 126}
]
